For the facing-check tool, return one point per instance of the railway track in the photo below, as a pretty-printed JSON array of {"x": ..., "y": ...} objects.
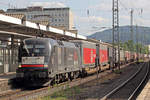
[
  {"x": 33, "y": 94},
  {"x": 29, "y": 94},
  {"x": 130, "y": 88}
]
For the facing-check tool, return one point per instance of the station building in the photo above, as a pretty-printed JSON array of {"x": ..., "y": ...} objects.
[
  {"x": 56, "y": 17},
  {"x": 16, "y": 26},
  {"x": 60, "y": 18}
]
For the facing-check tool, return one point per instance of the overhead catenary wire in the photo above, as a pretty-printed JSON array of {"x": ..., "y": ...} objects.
[
  {"x": 8, "y": 5},
  {"x": 136, "y": 10},
  {"x": 127, "y": 9},
  {"x": 138, "y": 19}
]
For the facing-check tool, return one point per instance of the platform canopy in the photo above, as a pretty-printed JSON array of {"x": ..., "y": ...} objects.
[{"x": 21, "y": 28}]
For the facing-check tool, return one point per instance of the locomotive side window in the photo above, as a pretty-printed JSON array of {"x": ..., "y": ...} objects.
[
  {"x": 53, "y": 57},
  {"x": 75, "y": 57},
  {"x": 59, "y": 56},
  {"x": 65, "y": 56},
  {"x": 70, "y": 55}
]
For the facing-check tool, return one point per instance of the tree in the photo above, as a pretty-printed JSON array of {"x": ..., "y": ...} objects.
[{"x": 130, "y": 46}]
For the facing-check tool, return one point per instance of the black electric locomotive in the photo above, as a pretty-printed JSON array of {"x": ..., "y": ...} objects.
[{"x": 43, "y": 60}]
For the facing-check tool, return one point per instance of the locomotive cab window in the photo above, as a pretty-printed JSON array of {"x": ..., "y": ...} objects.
[{"x": 34, "y": 48}]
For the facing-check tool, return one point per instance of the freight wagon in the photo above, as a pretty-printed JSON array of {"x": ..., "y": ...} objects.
[{"x": 44, "y": 61}]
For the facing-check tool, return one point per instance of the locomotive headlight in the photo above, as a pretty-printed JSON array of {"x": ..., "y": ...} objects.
[
  {"x": 19, "y": 66},
  {"x": 46, "y": 66}
]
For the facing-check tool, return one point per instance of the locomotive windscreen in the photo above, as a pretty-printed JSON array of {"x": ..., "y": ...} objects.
[{"x": 33, "y": 48}]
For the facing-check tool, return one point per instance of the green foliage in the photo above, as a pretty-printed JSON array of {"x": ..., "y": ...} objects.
[
  {"x": 118, "y": 71},
  {"x": 49, "y": 98},
  {"x": 141, "y": 60},
  {"x": 63, "y": 94},
  {"x": 130, "y": 46}
]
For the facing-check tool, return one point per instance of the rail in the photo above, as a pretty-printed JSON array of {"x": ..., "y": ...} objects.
[{"x": 110, "y": 94}]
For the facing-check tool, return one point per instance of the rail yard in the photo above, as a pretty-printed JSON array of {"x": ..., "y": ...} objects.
[{"x": 44, "y": 57}]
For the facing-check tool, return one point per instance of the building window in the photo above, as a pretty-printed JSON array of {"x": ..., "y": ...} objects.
[
  {"x": 55, "y": 20},
  {"x": 30, "y": 16},
  {"x": 59, "y": 20},
  {"x": 52, "y": 20}
]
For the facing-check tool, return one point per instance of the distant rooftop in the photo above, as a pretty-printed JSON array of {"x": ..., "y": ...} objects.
[
  {"x": 35, "y": 8},
  {"x": 19, "y": 16},
  {"x": 2, "y": 11}
]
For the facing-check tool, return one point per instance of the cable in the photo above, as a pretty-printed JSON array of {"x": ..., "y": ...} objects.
[
  {"x": 127, "y": 9},
  {"x": 7, "y": 4},
  {"x": 136, "y": 10}
]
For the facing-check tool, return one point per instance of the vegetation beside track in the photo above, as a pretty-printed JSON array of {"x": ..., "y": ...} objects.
[
  {"x": 117, "y": 71},
  {"x": 63, "y": 94}
]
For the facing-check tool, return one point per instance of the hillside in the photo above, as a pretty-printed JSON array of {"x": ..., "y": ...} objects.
[{"x": 125, "y": 34}]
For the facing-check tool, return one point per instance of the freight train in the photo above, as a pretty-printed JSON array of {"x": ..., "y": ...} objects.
[{"x": 45, "y": 61}]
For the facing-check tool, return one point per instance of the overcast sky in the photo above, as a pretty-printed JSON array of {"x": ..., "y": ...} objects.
[{"x": 100, "y": 12}]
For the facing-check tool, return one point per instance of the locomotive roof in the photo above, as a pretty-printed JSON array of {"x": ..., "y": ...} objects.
[
  {"x": 55, "y": 42},
  {"x": 82, "y": 41}
]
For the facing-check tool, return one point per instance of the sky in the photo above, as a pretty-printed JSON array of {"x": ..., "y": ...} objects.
[{"x": 99, "y": 17}]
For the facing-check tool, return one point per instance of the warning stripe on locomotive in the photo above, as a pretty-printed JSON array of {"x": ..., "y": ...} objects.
[{"x": 40, "y": 65}]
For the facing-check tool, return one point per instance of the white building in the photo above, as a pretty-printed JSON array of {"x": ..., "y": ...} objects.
[{"x": 56, "y": 17}]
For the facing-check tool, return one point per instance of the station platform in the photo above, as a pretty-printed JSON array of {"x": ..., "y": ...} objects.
[
  {"x": 145, "y": 94},
  {"x": 7, "y": 76},
  {"x": 6, "y": 81}
]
